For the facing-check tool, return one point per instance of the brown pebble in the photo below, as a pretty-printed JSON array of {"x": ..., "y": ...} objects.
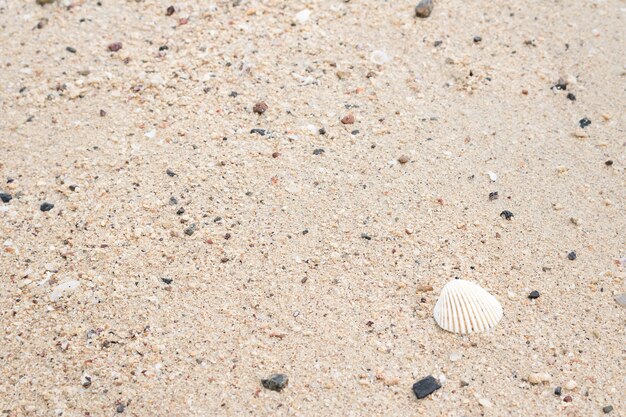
[
  {"x": 424, "y": 8},
  {"x": 348, "y": 119},
  {"x": 423, "y": 288},
  {"x": 103, "y": 113},
  {"x": 568, "y": 399},
  {"x": 115, "y": 46},
  {"x": 260, "y": 107},
  {"x": 275, "y": 155},
  {"x": 403, "y": 159},
  {"x": 170, "y": 11}
]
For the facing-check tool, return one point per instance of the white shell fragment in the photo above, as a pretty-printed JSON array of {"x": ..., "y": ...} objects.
[{"x": 464, "y": 307}]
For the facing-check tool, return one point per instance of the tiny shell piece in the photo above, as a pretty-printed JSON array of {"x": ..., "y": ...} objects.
[{"x": 464, "y": 307}]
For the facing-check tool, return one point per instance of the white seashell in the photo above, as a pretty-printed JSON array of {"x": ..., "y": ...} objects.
[{"x": 464, "y": 307}]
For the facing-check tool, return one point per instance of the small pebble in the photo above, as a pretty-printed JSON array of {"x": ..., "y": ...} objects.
[
  {"x": 103, "y": 113},
  {"x": 560, "y": 85},
  {"x": 366, "y": 236},
  {"x": 322, "y": 131},
  {"x": 557, "y": 391},
  {"x": 533, "y": 295},
  {"x": 170, "y": 11},
  {"x": 571, "y": 256},
  {"x": 276, "y": 382},
  {"x": 425, "y": 386},
  {"x": 260, "y": 107},
  {"x": 607, "y": 409},
  {"x": 570, "y": 385},
  {"x": 403, "y": 159},
  {"x": 168, "y": 281},
  {"x": 506, "y": 215},
  {"x": 170, "y": 172},
  {"x": 584, "y": 122},
  {"x": 258, "y": 131},
  {"x": 189, "y": 231},
  {"x": 568, "y": 399},
  {"x": 173, "y": 201},
  {"x": 318, "y": 151},
  {"x": 71, "y": 50},
  {"x": 493, "y": 196},
  {"x": 538, "y": 378},
  {"x": 571, "y": 96},
  {"x": 180, "y": 211},
  {"x": 608, "y": 163},
  {"x": 348, "y": 119},
  {"x": 477, "y": 39},
  {"x": 424, "y": 8},
  {"x": 455, "y": 356},
  {"x": 115, "y": 46},
  {"x": 120, "y": 408},
  {"x": 46, "y": 206},
  {"x": 6, "y": 197}
]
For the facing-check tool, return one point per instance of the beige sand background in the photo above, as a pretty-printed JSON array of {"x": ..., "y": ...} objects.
[{"x": 346, "y": 318}]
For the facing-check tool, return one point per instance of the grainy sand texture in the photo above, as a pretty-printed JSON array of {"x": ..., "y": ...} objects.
[{"x": 201, "y": 194}]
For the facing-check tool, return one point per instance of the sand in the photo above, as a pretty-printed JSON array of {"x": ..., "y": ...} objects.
[{"x": 316, "y": 264}]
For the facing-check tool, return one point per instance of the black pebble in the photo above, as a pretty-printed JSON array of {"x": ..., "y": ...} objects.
[
  {"x": 322, "y": 131},
  {"x": 557, "y": 391},
  {"x": 71, "y": 50},
  {"x": 506, "y": 215},
  {"x": 180, "y": 211},
  {"x": 571, "y": 256},
  {"x": 437, "y": 43},
  {"x": 608, "y": 163},
  {"x": 607, "y": 409},
  {"x": 258, "y": 131},
  {"x": 168, "y": 281},
  {"x": 571, "y": 96},
  {"x": 170, "y": 173},
  {"x": 46, "y": 206},
  {"x": 355, "y": 132},
  {"x": 276, "y": 382},
  {"x": 73, "y": 187},
  {"x": 533, "y": 295},
  {"x": 233, "y": 94},
  {"x": 584, "y": 122},
  {"x": 163, "y": 48},
  {"x": 366, "y": 236},
  {"x": 173, "y": 201},
  {"x": 425, "y": 386},
  {"x": 477, "y": 39},
  {"x": 189, "y": 231},
  {"x": 120, "y": 408},
  {"x": 5, "y": 197},
  {"x": 493, "y": 196},
  {"x": 318, "y": 151}
]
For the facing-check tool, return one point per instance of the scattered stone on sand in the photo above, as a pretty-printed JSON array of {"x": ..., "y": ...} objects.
[
  {"x": 607, "y": 409},
  {"x": 258, "y": 131},
  {"x": 5, "y": 197},
  {"x": 425, "y": 386},
  {"x": 506, "y": 215},
  {"x": 571, "y": 256},
  {"x": 571, "y": 96},
  {"x": 168, "y": 281},
  {"x": 584, "y": 122},
  {"x": 190, "y": 230},
  {"x": 318, "y": 151},
  {"x": 557, "y": 391},
  {"x": 260, "y": 107},
  {"x": 493, "y": 196},
  {"x": 621, "y": 299},
  {"x": 348, "y": 119},
  {"x": 485, "y": 403},
  {"x": 570, "y": 385},
  {"x": 46, "y": 206},
  {"x": 539, "y": 378},
  {"x": 120, "y": 408},
  {"x": 455, "y": 356},
  {"x": 71, "y": 49},
  {"x": 477, "y": 39},
  {"x": 302, "y": 16},
  {"x": 403, "y": 159},
  {"x": 276, "y": 382},
  {"x": 533, "y": 295},
  {"x": 170, "y": 11},
  {"x": 568, "y": 399},
  {"x": 170, "y": 173},
  {"x": 115, "y": 46},
  {"x": 424, "y": 8}
]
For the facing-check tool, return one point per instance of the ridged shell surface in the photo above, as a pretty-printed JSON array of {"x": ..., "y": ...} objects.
[{"x": 464, "y": 307}]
